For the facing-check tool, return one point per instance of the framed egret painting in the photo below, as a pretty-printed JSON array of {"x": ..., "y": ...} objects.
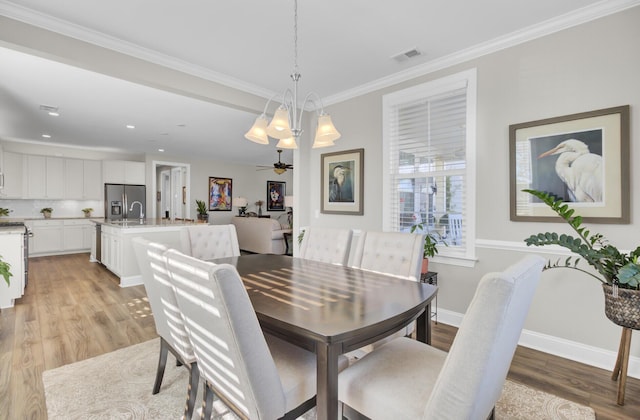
[{"x": 582, "y": 159}]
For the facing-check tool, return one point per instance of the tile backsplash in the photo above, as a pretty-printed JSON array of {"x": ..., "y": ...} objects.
[{"x": 27, "y": 209}]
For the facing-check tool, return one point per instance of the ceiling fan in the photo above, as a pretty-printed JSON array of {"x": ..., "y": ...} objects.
[{"x": 278, "y": 167}]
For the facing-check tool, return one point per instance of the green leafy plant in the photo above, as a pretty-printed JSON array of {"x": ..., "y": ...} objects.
[
  {"x": 87, "y": 211},
  {"x": 202, "y": 207},
  {"x": 4, "y": 212},
  {"x": 613, "y": 266},
  {"x": 431, "y": 240},
  {"x": 5, "y": 270},
  {"x": 46, "y": 210}
]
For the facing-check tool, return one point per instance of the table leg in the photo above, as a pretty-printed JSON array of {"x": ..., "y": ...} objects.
[
  {"x": 622, "y": 363},
  {"x": 327, "y": 382},
  {"x": 423, "y": 326}
]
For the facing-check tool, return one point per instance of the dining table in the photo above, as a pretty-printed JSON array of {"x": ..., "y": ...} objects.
[{"x": 330, "y": 310}]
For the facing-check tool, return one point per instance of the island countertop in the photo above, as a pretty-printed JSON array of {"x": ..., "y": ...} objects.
[{"x": 144, "y": 223}]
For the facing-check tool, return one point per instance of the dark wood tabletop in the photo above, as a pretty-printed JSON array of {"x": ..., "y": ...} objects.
[{"x": 330, "y": 309}]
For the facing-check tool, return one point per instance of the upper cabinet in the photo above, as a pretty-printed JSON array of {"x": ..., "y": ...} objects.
[
  {"x": 123, "y": 172},
  {"x": 83, "y": 179},
  {"x": 12, "y": 183}
]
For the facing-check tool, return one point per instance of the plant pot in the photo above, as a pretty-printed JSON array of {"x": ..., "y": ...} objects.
[
  {"x": 47, "y": 215},
  {"x": 87, "y": 215},
  {"x": 203, "y": 217},
  {"x": 425, "y": 265},
  {"x": 623, "y": 310}
]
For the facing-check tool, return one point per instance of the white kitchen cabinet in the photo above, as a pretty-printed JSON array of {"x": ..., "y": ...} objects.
[
  {"x": 36, "y": 176},
  {"x": 11, "y": 249},
  {"x": 45, "y": 177},
  {"x": 82, "y": 179},
  {"x": 123, "y": 172},
  {"x": 48, "y": 237},
  {"x": 112, "y": 249},
  {"x": 13, "y": 175},
  {"x": 75, "y": 235},
  {"x": 73, "y": 179},
  {"x": 93, "y": 186},
  {"x": 55, "y": 177}
]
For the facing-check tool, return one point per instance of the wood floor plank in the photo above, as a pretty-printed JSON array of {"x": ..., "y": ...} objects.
[{"x": 74, "y": 309}]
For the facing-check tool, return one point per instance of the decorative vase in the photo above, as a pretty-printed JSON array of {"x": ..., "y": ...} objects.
[
  {"x": 623, "y": 310},
  {"x": 425, "y": 265},
  {"x": 87, "y": 214},
  {"x": 259, "y": 210}
]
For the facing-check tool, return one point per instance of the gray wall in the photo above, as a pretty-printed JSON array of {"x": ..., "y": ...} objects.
[{"x": 588, "y": 67}]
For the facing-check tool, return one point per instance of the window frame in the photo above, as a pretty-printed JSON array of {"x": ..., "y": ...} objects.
[{"x": 464, "y": 256}]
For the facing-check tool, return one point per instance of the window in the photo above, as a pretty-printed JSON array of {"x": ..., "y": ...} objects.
[{"x": 429, "y": 160}]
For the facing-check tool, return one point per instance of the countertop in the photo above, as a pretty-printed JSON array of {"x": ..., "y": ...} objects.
[{"x": 146, "y": 223}]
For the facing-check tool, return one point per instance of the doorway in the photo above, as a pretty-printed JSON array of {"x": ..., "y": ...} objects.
[{"x": 171, "y": 185}]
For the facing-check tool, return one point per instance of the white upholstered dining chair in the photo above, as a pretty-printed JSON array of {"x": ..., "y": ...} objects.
[
  {"x": 169, "y": 325},
  {"x": 326, "y": 245},
  {"x": 257, "y": 376},
  {"x": 393, "y": 253},
  {"x": 407, "y": 379},
  {"x": 207, "y": 242}
]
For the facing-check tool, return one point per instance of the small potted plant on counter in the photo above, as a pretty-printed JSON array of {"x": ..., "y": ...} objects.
[
  {"x": 46, "y": 212},
  {"x": 4, "y": 212},
  {"x": 203, "y": 212},
  {"x": 87, "y": 211}
]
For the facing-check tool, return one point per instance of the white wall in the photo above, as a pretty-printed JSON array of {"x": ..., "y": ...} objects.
[{"x": 592, "y": 66}]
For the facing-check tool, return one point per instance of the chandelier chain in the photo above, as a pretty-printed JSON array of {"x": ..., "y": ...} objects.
[{"x": 295, "y": 39}]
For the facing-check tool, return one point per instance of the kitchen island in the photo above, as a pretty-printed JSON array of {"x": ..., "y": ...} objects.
[{"x": 116, "y": 250}]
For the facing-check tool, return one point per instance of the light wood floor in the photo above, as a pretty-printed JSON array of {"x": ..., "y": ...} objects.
[{"x": 74, "y": 309}]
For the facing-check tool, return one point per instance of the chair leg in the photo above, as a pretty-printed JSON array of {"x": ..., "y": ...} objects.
[
  {"x": 622, "y": 364},
  {"x": 207, "y": 402},
  {"x": 492, "y": 414},
  {"x": 194, "y": 378},
  {"x": 162, "y": 362}
]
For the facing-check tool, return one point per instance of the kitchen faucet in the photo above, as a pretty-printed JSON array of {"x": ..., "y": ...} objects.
[{"x": 141, "y": 209}]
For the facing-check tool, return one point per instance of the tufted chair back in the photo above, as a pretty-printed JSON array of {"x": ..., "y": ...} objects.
[
  {"x": 207, "y": 242},
  {"x": 326, "y": 245},
  {"x": 394, "y": 253}
]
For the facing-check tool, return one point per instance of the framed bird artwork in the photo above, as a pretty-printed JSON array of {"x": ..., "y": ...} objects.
[{"x": 582, "y": 159}]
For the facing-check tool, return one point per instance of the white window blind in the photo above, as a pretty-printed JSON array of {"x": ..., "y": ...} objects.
[{"x": 427, "y": 162}]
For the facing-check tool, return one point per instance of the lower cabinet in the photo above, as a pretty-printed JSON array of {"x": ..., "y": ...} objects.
[
  {"x": 60, "y": 236},
  {"x": 11, "y": 248},
  {"x": 111, "y": 249}
]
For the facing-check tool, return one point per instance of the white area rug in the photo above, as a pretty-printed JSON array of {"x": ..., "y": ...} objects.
[{"x": 118, "y": 385}]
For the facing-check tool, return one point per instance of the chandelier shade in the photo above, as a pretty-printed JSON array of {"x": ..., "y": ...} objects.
[
  {"x": 286, "y": 124},
  {"x": 258, "y": 133}
]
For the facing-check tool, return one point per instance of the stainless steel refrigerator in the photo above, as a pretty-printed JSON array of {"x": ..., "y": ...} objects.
[{"x": 121, "y": 201}]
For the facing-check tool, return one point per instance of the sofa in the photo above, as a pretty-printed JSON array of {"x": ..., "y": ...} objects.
[{"x": 260, "y": 235}]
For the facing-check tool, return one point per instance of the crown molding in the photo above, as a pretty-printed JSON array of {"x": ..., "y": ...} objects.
[
  {"x": 559, "y": 23},
  {"x": 66, "y": 28},
  {"x": 580, "y": 16}
]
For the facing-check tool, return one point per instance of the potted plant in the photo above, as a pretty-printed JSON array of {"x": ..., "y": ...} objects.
[
  {"x": 4, "y": 271},
  {"x": 46, "y": 212},
  {"x": 203, "y": 212},
  {"x": 619, "y": 273},
  {"x": 4, "y": 212},
  {"x": 87, "y": 211},
  {"x": 431, "y": 241}
]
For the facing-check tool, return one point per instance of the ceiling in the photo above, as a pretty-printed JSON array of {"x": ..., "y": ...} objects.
[{"x": 345, "y": 49}]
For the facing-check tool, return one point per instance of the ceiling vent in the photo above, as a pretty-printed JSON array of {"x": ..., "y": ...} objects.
[{"x": 405, "y": 55}]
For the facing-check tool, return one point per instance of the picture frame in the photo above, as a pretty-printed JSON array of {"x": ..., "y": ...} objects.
[
  {"x": 342, "y": 182},
  {"x": 220, "y": 193},
  {"x": 551, "y": 155},
  {"x": 276, "y": 190}
]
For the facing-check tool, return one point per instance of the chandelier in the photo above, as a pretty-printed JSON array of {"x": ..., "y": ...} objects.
[{"x": 286, "y": 124}]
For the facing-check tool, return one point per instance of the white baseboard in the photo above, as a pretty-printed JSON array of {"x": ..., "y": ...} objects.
[
  {"x": 131, "y": 281},
  {"x": 589, "y": 355}
]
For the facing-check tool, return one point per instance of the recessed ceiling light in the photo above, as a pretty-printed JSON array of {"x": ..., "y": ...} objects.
[
  {"x": 131, "y": 126},
  {"x": 46, "y": 136},
  {"x": 54, "y": 114},
  {"x": 51, "y": 110},
  {"x": 160, "y": 150}
]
